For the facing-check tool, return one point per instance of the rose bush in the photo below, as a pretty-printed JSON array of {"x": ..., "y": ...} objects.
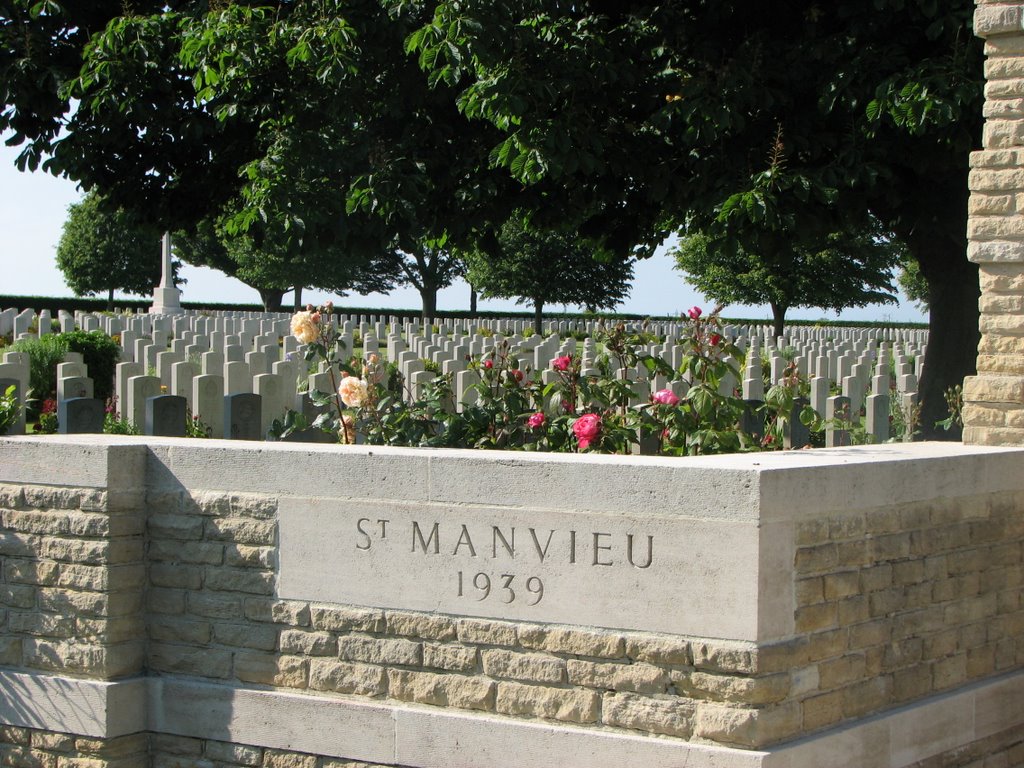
[{"x": 511, "y": 407}]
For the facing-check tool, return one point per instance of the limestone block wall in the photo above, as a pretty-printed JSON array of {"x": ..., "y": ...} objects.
[
  {"x": 73, "y": 576},
  {"x": 211, "y": 597},
  {"x": 898, "y": 603},
  {"x": 994, "y": 399},
  {"x": 33, "y": 747},
  {"x": 892, "y": 604}
]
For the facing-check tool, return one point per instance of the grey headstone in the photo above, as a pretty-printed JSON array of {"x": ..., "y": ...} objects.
[
  {"x": 208, "y": 402},
  {"x": 165, "y": 416},
  {"x": 243, "y": 416},
  {"x": 794, "y": 433},
  {"x": 876, "y": 417},
  {"x": 80, "y": 415},
  {"x": 752, "y": 421},
  {"x": 837, "y": 412}
]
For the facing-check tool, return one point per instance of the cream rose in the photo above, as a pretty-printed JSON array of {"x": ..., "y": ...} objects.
[
  {"x": 352, "y": 391},
  {"x": 304, "y": 327}
]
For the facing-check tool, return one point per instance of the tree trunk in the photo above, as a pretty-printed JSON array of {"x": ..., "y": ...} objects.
[
  {"x": 538, "y": 315},
  {"x": 297, "y": 304},
  {"x": 936, "y": 235},
  {"x": 472, "y": 300},
  {"x": 778, "y": 320},
  {"x": 953, "y": 336},
  {"x": 110, "y": 300},
  {"x": 428, "y": 296},
  {"x": 272, "y": 299}
]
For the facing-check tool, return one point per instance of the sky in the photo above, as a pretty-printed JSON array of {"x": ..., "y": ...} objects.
[{"x": 33, "y": 207}]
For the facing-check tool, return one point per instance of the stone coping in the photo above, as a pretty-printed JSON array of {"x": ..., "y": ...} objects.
[
  {"x": 765, "y": 487},
  {"x": 428, "y": 737}
]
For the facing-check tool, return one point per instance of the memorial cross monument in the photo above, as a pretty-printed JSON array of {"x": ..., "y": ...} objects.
[{"x": 166, "y": 298}]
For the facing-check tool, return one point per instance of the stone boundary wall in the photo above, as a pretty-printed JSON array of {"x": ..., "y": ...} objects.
[
  {"x": 141, "y": 580},
  {"x": 993, "y": 412}
]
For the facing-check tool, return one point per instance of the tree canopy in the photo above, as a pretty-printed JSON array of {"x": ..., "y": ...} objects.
[
  {"x": 274, "y": 265},
  {"x": 638, "y": 117},
  {"x": 547, "y": 267},
  {"x": 375, "y": 125},
  {"x": 102, "y": 251},
  {"x": 912, "y": 283},
  {"x": 309, "y": 115},
  {"x": 841, "y": 271}
]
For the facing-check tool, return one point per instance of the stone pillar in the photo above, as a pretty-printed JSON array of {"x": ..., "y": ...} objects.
[
  {"x": 166, "y": 298},
  {"x": 994, "y": 399}
]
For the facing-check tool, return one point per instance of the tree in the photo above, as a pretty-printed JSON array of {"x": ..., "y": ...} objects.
[
  {"x": 545, "y": 267},
  {"x": 844, "y": 271},
  {"x": 273, "y": 266},
  {"x": 430, "y": 267},
  {"x": 102, "y": 251},
  {"x": 309, "y": 117},
  {"x": 619, "y": 121},
  {"x": 771, "y": 244},
  {"x": 912, "y": 283},
  {"x": 636, "y": 118}
]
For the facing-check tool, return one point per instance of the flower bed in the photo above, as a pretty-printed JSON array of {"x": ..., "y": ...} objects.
[{"x": 579, "y": 409}]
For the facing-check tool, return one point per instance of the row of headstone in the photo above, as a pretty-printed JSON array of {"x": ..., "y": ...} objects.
[
  {"x": 250, "y": 324},
  {"x": 241, "y": 417},
  {"x": 244, "y": 349}
]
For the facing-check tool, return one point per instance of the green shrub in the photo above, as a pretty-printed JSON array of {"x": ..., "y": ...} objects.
[
  {"x": 101, "y": 355},
  {"x": 9, "y": 409},
  {"x": 99, "y": 352},
  {"x": 115, "y": 425},
  {"x": 44, "y": 354}
]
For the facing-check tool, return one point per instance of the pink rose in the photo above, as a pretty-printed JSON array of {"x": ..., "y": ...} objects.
[
  {"x": 536, "y": 420},
  {"x": 586, "y": 428},
  {"x": 694, "y": 313},
  {"x": 563, "y": 363},
  {"x": 488, "y": 363},
  {"x": 665, "y": 397}
]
